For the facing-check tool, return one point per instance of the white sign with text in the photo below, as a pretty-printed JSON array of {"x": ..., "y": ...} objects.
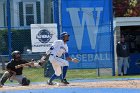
[{"x": 42, "y": 36}]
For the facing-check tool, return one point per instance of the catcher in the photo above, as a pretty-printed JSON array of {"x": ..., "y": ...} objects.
[
  {"x": 14, "y": 70},
  {"x": 58, "y": 48}
]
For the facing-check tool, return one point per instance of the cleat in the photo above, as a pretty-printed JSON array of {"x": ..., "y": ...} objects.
[
  {"x": 51, "y": 83},
  {"x": 65, "y": 81},
  {"x": 62, "y": 84}
]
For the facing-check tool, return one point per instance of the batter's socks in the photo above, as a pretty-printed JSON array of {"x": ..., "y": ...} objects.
[
  {"x": 65, "y": 68},
  {"x": 53, "y": 77},
  {"x": 61, "y": 77}
]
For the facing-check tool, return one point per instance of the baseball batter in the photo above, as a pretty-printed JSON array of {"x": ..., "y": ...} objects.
[{"x": 58, "y": 48}]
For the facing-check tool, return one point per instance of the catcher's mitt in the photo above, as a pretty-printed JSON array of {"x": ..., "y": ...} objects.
[{"x": 41, "y": 63}]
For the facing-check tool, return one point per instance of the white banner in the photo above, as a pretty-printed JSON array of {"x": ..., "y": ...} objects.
[{"x": 42, "y": 36}]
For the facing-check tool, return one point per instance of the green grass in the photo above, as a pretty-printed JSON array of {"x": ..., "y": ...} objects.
[
  {"x": 37, "y": 74},
  {"x": 81, "y": 74}
]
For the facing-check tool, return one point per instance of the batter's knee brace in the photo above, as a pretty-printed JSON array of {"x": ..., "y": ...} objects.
[{"x": 25, "y": 82}]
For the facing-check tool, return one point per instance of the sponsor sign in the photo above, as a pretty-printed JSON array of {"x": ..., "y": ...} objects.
[{"x": 42, "y": 36}]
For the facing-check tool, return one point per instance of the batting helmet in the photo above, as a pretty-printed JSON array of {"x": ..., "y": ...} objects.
[
  {"x": 64, "y": 34},
  {"x": 14, "y": 53}
]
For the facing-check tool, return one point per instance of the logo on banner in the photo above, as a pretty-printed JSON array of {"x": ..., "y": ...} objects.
[
  {"x": 89, "y": 19},
  {"x": 44, "y": 36}
]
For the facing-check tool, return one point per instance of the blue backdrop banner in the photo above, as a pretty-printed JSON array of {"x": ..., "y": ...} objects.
[{"x": 89, "y": 24}]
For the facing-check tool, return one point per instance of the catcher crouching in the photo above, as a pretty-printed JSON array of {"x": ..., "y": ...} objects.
[{"x": 14, "y": 70}]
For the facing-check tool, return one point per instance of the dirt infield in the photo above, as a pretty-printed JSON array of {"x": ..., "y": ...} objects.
[{"x": 99, "y": 84}]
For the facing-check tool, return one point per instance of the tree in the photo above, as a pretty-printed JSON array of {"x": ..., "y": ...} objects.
[{"x": 126, "y": 8}]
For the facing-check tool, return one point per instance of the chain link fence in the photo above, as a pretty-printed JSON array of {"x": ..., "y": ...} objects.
[{"x": 23, "y": 14}]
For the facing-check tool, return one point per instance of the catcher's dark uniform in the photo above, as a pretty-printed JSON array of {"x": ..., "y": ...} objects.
[{"x": 14, "y": 73}]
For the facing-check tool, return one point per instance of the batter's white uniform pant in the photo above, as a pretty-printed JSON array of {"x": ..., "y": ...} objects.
[
  {"x": 123, "y": 62},
  {"x": 57, "y": 63}
]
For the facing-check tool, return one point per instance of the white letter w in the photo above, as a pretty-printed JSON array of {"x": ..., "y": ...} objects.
[{"x": 88, "y": 19}]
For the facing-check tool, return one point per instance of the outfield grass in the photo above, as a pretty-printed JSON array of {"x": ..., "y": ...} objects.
[
  {"x": 34, "y": 74},
  {"x": 37, "y": 74}
]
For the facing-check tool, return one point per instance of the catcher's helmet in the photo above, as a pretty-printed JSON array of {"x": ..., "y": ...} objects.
[
  {"x": 14, "y": 53},
  {"x": 64, "y": 34}
]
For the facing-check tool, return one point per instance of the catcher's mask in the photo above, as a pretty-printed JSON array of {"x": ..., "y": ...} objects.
[{"x": 14, "y": 55}]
